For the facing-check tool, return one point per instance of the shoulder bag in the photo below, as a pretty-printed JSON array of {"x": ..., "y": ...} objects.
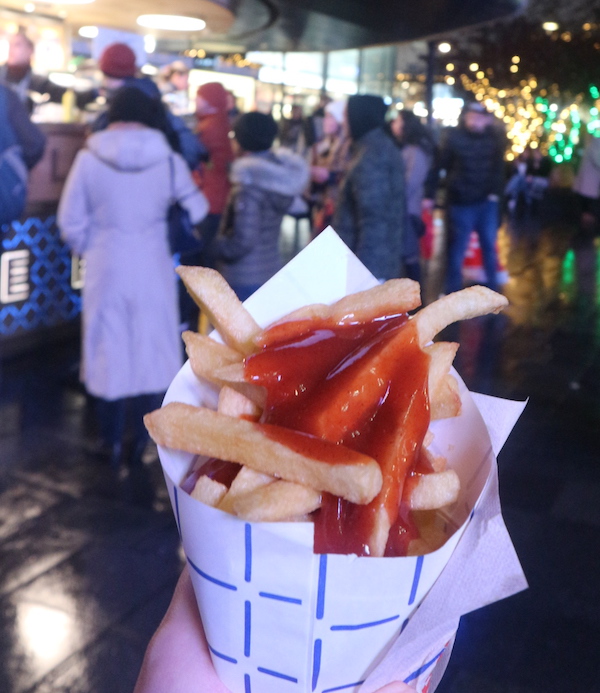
[{"x": 182, "y": 234}]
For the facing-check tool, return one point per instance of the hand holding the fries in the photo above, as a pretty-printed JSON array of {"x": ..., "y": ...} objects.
[{"x": 178, "y": 660}]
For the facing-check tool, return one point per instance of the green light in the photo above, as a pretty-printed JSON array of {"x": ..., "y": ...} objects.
[
  {"x": 553, "y": 151},
  {"x": 593, "y": 125},
  {"x": 567, "y": 282},
  {"x": 568, "y": 152},
  {"x": 594, "y": 111},
  {"x": 595, "y": 93},
  {"x": 559, "y": 159},
  {"x": 558, "y": 137}
]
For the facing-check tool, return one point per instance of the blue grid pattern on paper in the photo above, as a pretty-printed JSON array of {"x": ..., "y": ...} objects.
[
  {"x": 319, "y": 645},
  {"x": 52, "y": 300},
  {"x": 423, "y": 669},
  {"x": 247, "y": 606}
]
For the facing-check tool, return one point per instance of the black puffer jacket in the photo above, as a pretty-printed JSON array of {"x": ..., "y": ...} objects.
[
  {"x": 474, "y": 165},
  {"x": 263, "y": 187}
]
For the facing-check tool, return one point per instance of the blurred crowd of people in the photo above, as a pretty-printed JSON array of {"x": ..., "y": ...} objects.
[{"x": 374, "y": 176}]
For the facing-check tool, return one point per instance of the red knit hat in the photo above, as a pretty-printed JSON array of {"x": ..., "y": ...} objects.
[
  {"x": 118, "y": 60},
  {"x": 215, "y": 94}
]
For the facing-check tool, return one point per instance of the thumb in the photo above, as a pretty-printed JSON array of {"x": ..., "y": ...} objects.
[{"x": 396, "y": 687}]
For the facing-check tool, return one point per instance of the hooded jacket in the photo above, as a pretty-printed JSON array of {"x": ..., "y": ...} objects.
[
  {"x": 213, "y": 131},
  {"x": 264, "y": 185},
  {"x": 113, "y": 213},
  {"x": 371, "y": 212}
]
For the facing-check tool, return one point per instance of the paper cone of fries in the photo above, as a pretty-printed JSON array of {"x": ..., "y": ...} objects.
[{"x": 279, "y": 617}]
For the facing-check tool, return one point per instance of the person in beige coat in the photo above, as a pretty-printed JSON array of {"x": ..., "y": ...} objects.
[{"x": 113, "y": 213}]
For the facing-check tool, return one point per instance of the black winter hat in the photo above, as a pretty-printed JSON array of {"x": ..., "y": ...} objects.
[
  {"x": 365, "y": 113},
  {"x": 132, "y": 105},
  {"x": 255, "y": 131}
]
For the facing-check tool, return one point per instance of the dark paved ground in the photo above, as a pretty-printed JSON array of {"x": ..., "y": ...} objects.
[{"x": 88, "y": 559}]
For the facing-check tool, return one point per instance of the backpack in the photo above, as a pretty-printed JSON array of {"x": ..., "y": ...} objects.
[{"x": 13, "y": 172}]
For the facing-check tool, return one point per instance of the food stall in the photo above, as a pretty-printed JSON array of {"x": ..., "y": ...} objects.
[{"x": 39, "y": 280}]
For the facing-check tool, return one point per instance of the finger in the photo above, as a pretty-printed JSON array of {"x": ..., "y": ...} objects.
[{"x": 396, "y": 687}]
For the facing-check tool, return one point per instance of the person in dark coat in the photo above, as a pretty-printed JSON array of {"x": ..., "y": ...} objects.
[
  {"x": 22, "y": 145},
  {"x": 31, "y": 140},
  {"x": 371, "y": 213},
  {"x": 473, "y": 157},
  {"x": 264, "y": 183}
]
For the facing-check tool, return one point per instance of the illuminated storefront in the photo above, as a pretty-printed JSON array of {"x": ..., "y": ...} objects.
[{"x": 394, "y": 72}]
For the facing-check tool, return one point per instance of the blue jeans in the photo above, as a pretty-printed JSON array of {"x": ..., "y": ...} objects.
[{"x": 481, "y": 217}]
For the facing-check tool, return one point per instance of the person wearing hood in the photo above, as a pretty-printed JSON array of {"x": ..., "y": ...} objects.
[
  {"x": 264, "y": 184},
  {"x": 371, "y": 211},
  {"x": 113, "y": 214},
  {"x": 212, "y": 105}
]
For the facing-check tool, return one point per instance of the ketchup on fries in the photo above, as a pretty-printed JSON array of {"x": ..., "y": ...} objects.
[{"x": 328, "y": 411}]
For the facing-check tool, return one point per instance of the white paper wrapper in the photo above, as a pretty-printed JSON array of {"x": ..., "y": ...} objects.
[{"x": 278, "y": 617}]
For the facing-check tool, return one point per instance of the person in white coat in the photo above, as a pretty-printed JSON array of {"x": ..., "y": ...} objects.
[{"x": 113, "y": 213}]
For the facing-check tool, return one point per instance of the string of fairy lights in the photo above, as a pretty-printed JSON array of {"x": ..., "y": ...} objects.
[{"x": 534, "y": 117}]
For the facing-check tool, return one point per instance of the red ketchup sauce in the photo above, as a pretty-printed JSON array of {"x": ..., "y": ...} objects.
[
  {"x": 362, "y": 385},
  {"x": 219, "y": 470}
]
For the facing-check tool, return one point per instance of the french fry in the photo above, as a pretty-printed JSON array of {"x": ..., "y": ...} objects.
[
  {"x": 225, "y": 311},
  {"x": 234, "y": 403},
  {"x": 247, "y": 480},
  {"x": 364, "y": 384},
  {"x": 433, "y": 532},
  {"x": 460, "y": 305},
  {"x": 267, "y": 449},
  {"x": 437, "y": 462},
  {"x": 444, "y": 400},
  {"x": 209, "y": 491},
  {"x": 276, "y": 502},
  {"x": 207, "y": 355},
  {"x": 390, "y": 298},
  {"x": 232, "y": 375},
  {"x": 435, "y": 490}
]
